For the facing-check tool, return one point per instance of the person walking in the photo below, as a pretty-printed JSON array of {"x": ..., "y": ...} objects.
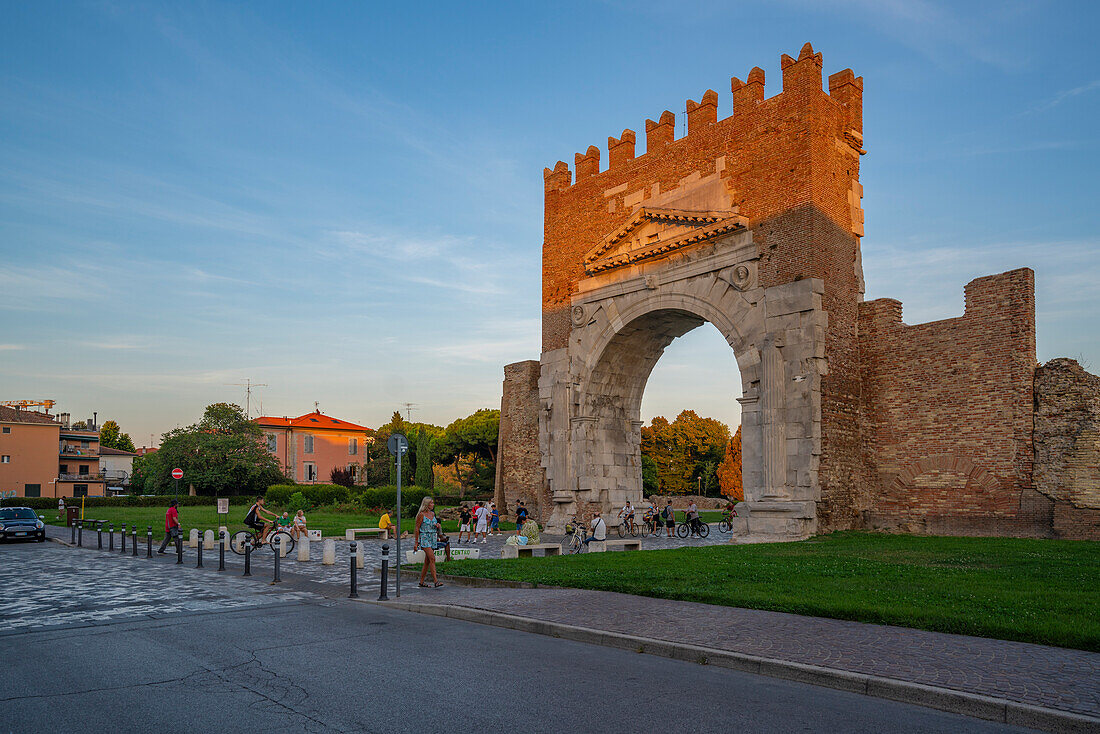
[
  {"x": 427, "y": 535},
  {"x": 481, "y": 514},
  {"x": 171, "y": 526}
]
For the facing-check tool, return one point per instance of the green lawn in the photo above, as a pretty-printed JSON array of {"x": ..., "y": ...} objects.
[
  {"x": 1043, "y": 591},
  {"x": 206, "y": 517}
]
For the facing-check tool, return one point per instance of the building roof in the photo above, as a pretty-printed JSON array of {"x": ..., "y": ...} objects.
[
  {"x": 314, "y": 421},
  {"x": 108, "y": 451},
  {"x": 11, "y": 415}
]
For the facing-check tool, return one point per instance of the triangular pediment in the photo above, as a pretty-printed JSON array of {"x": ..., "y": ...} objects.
[{"x": 653, "y": 232}]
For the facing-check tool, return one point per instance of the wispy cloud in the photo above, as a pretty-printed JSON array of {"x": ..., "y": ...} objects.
[
  {"x": 1065, "y": 95},
  {"x": 12, "y": 347}
]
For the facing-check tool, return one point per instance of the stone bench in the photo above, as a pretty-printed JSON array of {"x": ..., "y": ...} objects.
[
  {"x": 457, "y": 554},
  {"x": 628, "y": 544},
  {"x": 515, "y": 551},
  {"x": 350, "y": 533}
]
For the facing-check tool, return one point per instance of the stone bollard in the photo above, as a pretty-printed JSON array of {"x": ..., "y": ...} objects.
[
  {"x": 328, "y": 556},
  {"x": 360, "y": 556},
  {"x": 303, "y": 548},
  {"x": 280, "y": 545},
  {"x": 208, "y": 540},
  {"x": 193, "y": 538}
]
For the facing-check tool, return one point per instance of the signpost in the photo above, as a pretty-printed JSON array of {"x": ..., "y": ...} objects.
[
  {"x": 177, "y": 475},
  {"x": 398, "y": 445},
  {"x": 223, "y": 509}
]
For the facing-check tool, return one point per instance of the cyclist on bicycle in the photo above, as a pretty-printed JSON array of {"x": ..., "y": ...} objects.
[
  {"x": 627, "y": 515},
  {"x": 254, "y": 519}
]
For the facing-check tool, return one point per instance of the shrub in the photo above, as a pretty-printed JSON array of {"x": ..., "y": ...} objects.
[
  {"x": 316, "y": 494},
  {"x": 385, "y": 498},
  {"x": 160, "y": 500},
  {"x": 297, "y": 502}
]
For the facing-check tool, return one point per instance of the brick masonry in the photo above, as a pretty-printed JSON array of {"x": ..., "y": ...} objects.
[{"x": 925, "y": 427}]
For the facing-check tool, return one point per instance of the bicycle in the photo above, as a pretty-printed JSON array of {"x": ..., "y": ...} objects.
[
  {"x": 627, "y": 525},
  {"x": 684, "y": 529},
  {"x": 574, "y": 541},
  {"x": 254, "y": 538},
  {"x": 726, "y": 524}
]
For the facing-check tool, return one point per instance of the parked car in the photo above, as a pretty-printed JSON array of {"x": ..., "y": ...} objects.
[{"x": 21, "y": 523}]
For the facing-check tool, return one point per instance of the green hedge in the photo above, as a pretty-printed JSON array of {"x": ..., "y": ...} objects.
[
  {"x": 320, "y": 495},
  {"x": 160, "y": 500}
]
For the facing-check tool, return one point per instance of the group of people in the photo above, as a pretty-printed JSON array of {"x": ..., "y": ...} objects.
[
  {"x": 263, "y": 521},
  {"x": 484, "y": 518}
]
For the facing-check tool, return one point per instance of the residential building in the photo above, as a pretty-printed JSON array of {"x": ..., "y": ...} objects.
[
  {"x": 28, "y": 452},
  {"x": 118, "y": 467},
  {"x": 310, "y": 446},
  {"x": 79, "y": 473}
]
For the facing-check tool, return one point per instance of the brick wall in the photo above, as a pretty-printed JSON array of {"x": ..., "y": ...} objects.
[
  {"x": 791, "y": 166},
  {"x": 1067, "y": 447},
  {"x": 947, "y": 412},
  {"x": 519, "y": 475}
]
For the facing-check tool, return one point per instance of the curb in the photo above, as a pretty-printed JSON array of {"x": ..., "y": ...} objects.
[{"x": 942, "y": 699}]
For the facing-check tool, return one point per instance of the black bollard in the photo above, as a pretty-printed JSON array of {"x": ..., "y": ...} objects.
[
  {"x": 73, "y": 526},
  {"x": 133, "y": 539},
  {"x": 247, "y": 558},
  {"x": 277, "y": 547},
  {"x": 122, "y": 538},
  {"x": 111, "y": 536},
  {"x": 221, "y": 550},
  {"x": 198, "y": 563},
  {"x": 354, "y": 578},
  {"x": 149, "y": 541},
  {"x": 79, "y": 533},
  {"x": 99, "y": 533},
  {"x": 385, "y": 572},
  {"x": 179, "y": 548}
]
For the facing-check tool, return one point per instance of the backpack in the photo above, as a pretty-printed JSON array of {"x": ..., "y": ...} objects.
[{"x": 665, "y": 513}]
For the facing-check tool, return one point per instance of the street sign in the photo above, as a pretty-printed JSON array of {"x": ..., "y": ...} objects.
[
  {"x": 177, "y": 473},
  {"x": 398, "y": 442},
  {"x": 223, "y": 505}
]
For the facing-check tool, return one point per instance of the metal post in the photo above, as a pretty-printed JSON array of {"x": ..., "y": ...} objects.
[
  {"x": 247, "y": 558},
  {"x": 122, "y": 539},
  {"x": 73, "y": 528},
  {"x": 179, "y": 548},
  {"x": 111, "y": 536},
  {"x": 133, "y": 539},
  {"x": 198, "y": 555},
  {"x": 383, "y": 596},
  {"x": 99, "y": 534},
  {"x": 221, "y": 550},
  {"x": 277, "y": 549},
  {"x": 79, "y": 533},
  {"x": 354, "y": 579},
  {"x": 149, "y": 541},
  {"x": 399, "y": 522}
]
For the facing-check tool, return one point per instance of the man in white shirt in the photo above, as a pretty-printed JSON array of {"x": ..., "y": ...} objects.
[
  {"x": 599, "y": 529},
  {"x": 693, "y": 516},
  {"x": 627, "y": 515},
  {"x": 481, "y": 513}
]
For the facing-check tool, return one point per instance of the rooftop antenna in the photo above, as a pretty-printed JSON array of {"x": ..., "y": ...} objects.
[
  {"x": 248, "y": 384},
  {"x": 408, "y": 411},
  {"x": 316, "y": 406}
]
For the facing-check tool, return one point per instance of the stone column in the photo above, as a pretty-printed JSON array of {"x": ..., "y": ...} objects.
[{"x": 773, "y": 426}]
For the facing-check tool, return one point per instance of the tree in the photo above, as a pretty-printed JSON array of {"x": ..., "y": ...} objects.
[
  {"x": 342, "y": 476},
  {"x": 110, "y": 436},
  {"x": 684, "y": 451},
  {"x": 224, "y": 453},
  {"x": 471, "y": 441},
  {"x": 729, "y": 472},
  {"x": 423, "y": 459}
]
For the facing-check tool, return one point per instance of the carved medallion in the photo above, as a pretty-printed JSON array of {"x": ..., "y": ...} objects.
[
  {"x": 739, "y": 276},
  {"x": 579, "y": 315}
]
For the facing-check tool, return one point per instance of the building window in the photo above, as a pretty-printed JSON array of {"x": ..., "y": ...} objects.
[
  {"x": 353, "y": 446},
  {"x": 84, "y": 443},
  {"x": 5, "y": 459},
  {"x": 64, "y": 468},
  {"x": 32, "y": 490},
  {"x": 7, "y": 429},
  {"x": 83, "y": 469},
  {"x": 308, "y": 440},
  {"x": 272, "y": 442},
  {"x": 80, "y": 490},
  {"x": 311, "y": 471}
]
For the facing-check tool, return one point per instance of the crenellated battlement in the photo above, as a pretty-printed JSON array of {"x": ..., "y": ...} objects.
[{"x": 802, "y": 82}]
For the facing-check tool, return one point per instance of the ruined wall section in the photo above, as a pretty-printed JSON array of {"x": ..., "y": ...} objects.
[
  {"x": 1067, "y": 447},
  {"x": 519, "y": 476},
  {"x": 791, "y": 165},
  {"x": 948, "y": 413}
]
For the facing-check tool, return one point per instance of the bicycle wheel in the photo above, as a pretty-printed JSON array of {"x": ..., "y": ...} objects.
[
  {"x": 239, "y": 541},
  {"x": 704, "y": 530},
  {"x": 622, "y": 529},
  {"x": 573, "y": 545},
  {"x": 682, "y": 530},
  {"x": 725, "y": 527},
  {"x": 274, "y": 538},
  {"x": 645, "y": 529},
  {"x": 633, "y": 530}
]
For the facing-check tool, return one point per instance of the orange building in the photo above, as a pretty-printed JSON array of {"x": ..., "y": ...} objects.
[
  {"x": 79, "y": 473},
  {"x": 310, "y": 446},
  {"x": 28, "y": 453}
]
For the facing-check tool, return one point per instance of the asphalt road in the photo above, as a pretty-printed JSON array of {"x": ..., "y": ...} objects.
[{"x": 142, "y": 647}]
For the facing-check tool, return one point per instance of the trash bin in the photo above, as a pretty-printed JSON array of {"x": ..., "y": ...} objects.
[{"x": 72, "y": 514}]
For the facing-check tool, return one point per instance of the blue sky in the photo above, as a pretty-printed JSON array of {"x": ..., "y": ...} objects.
[{"x": 344, "y": 200}]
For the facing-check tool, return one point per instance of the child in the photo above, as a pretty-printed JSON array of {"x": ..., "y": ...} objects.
[
  {"x": 464, "y": 524},
  {"x": 494, "y": 519}
]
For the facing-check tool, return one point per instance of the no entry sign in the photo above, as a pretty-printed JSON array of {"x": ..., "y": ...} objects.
[{"x": 177, "y": 473}]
